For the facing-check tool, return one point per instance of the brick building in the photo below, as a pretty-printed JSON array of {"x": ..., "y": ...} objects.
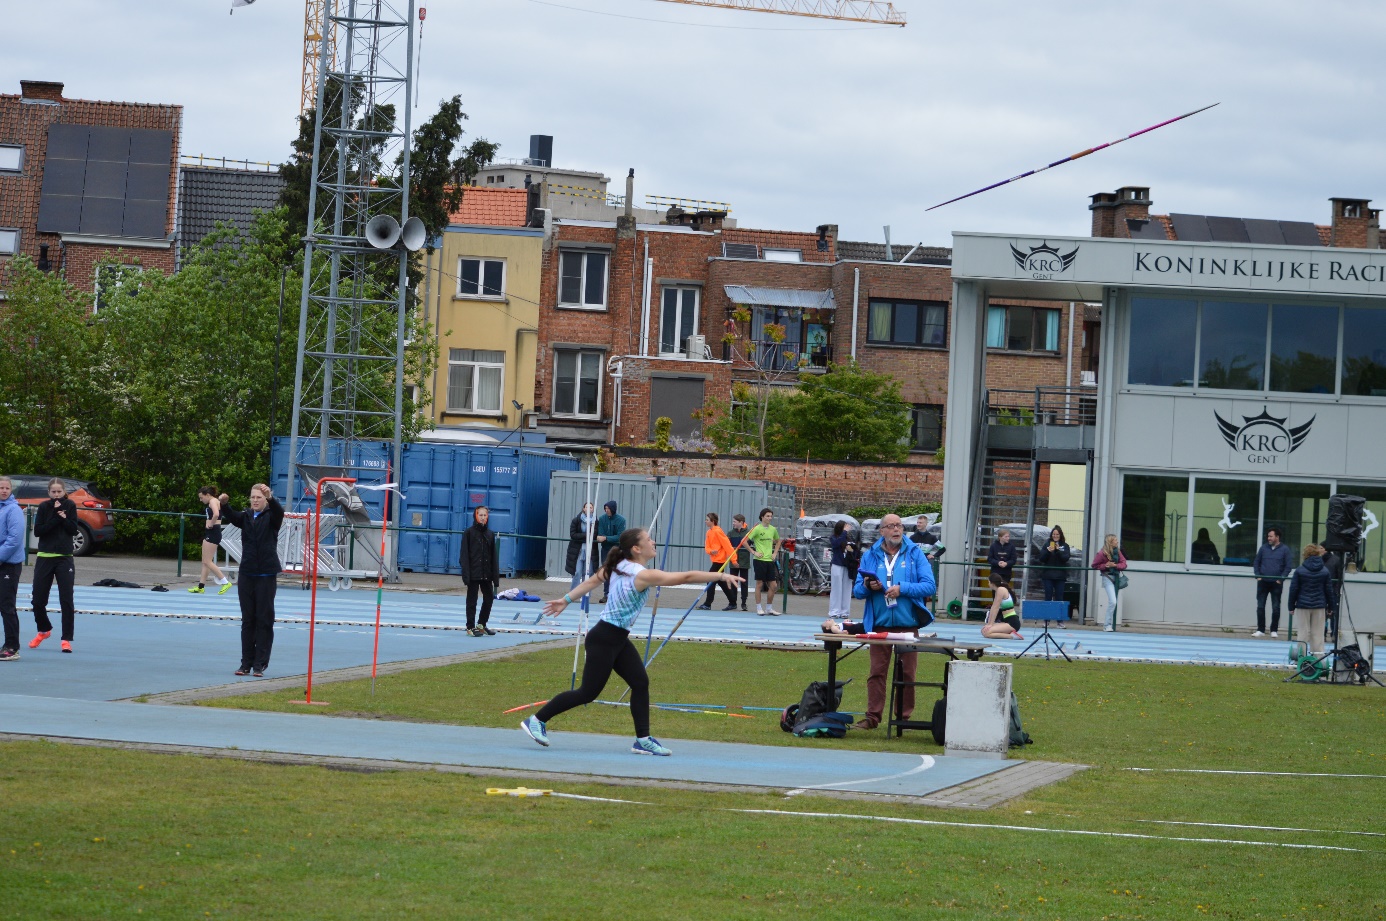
[{"x": 84, "y": 181}]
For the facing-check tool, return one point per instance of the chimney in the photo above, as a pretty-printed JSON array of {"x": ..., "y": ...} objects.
[
  {"x": 827, "y": 238},
  {"x": 1353, "y": 223},
  {"x": 41, "y": 89},
  {"x": 1103, "y": 210},
  {"x": 1132, "y": 204},
  {"x": 625, "y": 223}
]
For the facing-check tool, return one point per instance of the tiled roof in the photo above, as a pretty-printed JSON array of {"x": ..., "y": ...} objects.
[
  {"x": 875, "y": 252},
  {"x": 232, "y": 196},
  {"x": 492, "y": 207}
]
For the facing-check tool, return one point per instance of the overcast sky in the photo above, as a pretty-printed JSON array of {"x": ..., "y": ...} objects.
[{"x": 798, "y": 122}]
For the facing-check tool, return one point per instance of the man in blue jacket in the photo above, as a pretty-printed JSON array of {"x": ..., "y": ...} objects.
[
  {"x": 11, "y": 566},
  {"x": 894, "y": 577},
  {"x": 1272, "y": 565}
]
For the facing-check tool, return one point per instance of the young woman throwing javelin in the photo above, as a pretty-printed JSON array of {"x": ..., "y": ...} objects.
[{"x": 609, "y": 648}]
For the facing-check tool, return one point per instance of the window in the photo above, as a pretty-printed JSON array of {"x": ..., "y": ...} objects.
[
  {"x": 11, "y": 158},
  {"x": 1228, "y": 511},
  {"x": 1304, "y": 348},
  {"x": 9, "y": 241},
  {"x": 1298, "y": 509},
  {"x": 1373, "y": 534},
  {"x": 926, "y": 427},
  {"x": 577, "y": 383},
  {"x": 582, "y": 279},
  {"x": 678, "y": 320},
  {"x": 480, "y": 277},
  {"x": 1162, "y": 342},
  {"x": 1154, "y": 517},
  {"x": 1364, "y": 352},
  {"x": 1023, "y": 329},
  {"x": 1232, "y": 346},
  {"x": 475, "y": 380},
  {"x": 110, "y": 279},
  {"x": 908, "y": 323},
  {"x": 782, "y": 255}
]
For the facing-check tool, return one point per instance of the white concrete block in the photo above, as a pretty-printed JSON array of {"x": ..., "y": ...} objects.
[{"x": 979, "y": 709}]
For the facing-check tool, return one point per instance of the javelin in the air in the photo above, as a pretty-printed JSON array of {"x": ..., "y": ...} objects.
[{"x": 1072, "y": 157}]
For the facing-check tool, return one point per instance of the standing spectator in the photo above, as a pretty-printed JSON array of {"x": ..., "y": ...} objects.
[
  {"x": 1111, "y": 562},
  {"x": 1311, "y": 591},
  {"x": 259, "y": 574},
  {"x": 894, "y": 578},
  {"x": 765, "y": 543},
  {"x": 55, "y": 526},
  {"x": 1271, "y": 567},
  {"x": 840, "y": 596},
  {"x": 1001, "y": 557},
  {"x": 741, "y": 566},
  {"x": 576, "y": 563},
  {"x": 1204, "y": 550},
  {"x": 211, "y": 540},
  {"x": 11, "y": 567},
  {"x": 719, "y": 550},
  {"x": 480, "y": 570},
  {"x": 610, "y": 527},
  {"x": 1054, "y": 560}
]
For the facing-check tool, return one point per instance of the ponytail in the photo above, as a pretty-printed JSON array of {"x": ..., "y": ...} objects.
[{"x": 622, "y": 551}]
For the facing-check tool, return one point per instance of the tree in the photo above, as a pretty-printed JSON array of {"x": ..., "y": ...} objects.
[{"x": 847, "y": 414}]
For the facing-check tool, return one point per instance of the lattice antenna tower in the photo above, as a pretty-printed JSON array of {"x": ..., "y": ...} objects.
[{"x": 349, "y": 376}]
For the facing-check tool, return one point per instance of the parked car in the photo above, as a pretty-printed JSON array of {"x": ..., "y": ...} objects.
[{"x": 95, "y": 523}]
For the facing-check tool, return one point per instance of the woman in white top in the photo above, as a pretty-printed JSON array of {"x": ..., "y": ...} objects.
[{"x": 608, "y": 643}]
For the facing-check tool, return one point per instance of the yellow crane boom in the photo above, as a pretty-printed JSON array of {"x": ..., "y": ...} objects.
[
  {"x": 877, "y": 11},
  {"x": 315, "y": 31}
]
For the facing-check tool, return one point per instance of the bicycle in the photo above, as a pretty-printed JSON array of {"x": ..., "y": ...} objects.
[{"x": 806, "y": 575}]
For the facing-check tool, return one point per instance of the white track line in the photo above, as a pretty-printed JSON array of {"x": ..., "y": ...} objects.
[
  {"x": 1252, "y": 773},
  {"x": 926, "y": 762},
  {"x": 1052, "y": 831},
  {"x": 1317, "y": 831}
]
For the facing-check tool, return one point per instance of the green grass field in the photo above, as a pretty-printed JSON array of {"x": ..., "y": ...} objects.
[{"x": 93, "y": 833}]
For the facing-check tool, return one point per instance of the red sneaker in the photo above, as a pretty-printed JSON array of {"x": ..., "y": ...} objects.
[
  {"x": 39, "y": 638},
  {"x": 67, "y": 645}
]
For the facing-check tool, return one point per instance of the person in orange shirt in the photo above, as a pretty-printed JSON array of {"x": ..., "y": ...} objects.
[{"x": 719, "y": 548}]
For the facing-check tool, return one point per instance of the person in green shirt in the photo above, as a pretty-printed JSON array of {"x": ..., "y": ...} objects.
[{"x": 765, "y": 543}]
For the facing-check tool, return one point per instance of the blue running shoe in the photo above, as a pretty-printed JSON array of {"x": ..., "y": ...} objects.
[
  {"x": 649, "y": 746},
  {"x": 536, "y": 730}
]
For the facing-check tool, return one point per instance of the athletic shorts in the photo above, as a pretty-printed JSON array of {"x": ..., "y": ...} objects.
[
  {"x": 212, "y": 535},
  {"x": 767, "y": 571},
  {"x": 1012, "y": 620}
]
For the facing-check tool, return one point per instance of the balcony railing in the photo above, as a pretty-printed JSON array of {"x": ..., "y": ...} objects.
[{"x": 784, "y": 356}]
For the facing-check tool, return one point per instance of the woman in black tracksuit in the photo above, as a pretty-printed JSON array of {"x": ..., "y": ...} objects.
[
  {"x": 480, "y": 570},
  {"x": 258, "y": 576},
  {"x": 55, "y": 526}
]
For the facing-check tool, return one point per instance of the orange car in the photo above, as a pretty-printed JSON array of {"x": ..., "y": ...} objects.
[{"x": 95, "y": 523}]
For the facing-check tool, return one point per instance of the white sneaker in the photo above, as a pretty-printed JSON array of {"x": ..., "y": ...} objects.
[
  {"x": 1273, "y": 633},
  {"x": 1109, "y": 629},
  {"x": 1258, "y": 633}
]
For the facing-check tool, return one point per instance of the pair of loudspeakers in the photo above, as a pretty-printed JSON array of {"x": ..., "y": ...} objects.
[{"x": 383, "y": 232}]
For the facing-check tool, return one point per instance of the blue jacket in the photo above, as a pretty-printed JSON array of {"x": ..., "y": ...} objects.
[
  {"x": 1272, "y": 562},
  {"x": 11, "y": 531},
  {"x": 610, "y": 527},
  {"x": 915, "y": 577},
  {"x": 1311, "y": 586}
]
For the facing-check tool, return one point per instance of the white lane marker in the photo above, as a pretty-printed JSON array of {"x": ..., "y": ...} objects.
[
  {"x": 1052, "y": 831},
  {"x": 1252, "y": 773},
  {"x": 1317, "y": 831},
  {"x": 926, "y": 762}
]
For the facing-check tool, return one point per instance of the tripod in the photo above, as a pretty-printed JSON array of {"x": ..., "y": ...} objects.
[
  {"x": 1046, "y": 612},
  {"x": 1313, "y": 669}
]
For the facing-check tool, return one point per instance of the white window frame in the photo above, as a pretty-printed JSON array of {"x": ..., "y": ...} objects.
[
  {"x": 475, "y": 367},
  {"x": 127, "y": 272},
  {"x": 480, "y": 293},
  {"x": 770, "y": 254},
  {"x": 14, "y": 248},
  {"x": 680, "y": 343},
  {"x": 584, "y": 255},
  {"x": 19, "y": 163},
  {"x": 577, "y": 383}
]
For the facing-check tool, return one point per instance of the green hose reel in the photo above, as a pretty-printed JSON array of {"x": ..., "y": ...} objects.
[
  {"x": 1308, "y": 667},
  {"x": 955, "y": 609}
]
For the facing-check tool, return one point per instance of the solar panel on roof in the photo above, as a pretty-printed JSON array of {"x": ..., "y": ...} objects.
[
  {"x": 1191, "y": 228},
  {"x": 1146, "y": 230},
  {"x": 147, "y": 181},
  {"x": 1262, "y": 231},
  {"x": 68, "y": 142},
  {"x": 739, "y": 250},
  {"x": 101, "y": 216},
  {"x": 64, "y": 177},
  {"x": 105, "y": 179},
  {"x": 143, "y": 219},
  {"x": 1227, "y": 230},
  {"x": 59, "y": 213},
  {"x": 153, "y": 147},
  {"x": 109, "y": 144},
  {"x": 1300, "y": 233}
]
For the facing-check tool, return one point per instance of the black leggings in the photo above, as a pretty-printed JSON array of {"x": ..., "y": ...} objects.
[
  {"x": 745, "y": 582},
  {"x": 609, "y": 649},
  {"x": 488, "y": 594},
  {"x": 48, "y": 569}
]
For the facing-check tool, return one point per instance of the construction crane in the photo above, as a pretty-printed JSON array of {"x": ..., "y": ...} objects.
[{"x": 873, "y": 11}]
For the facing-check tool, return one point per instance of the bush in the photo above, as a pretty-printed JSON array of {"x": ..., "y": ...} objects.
[{"x": 861, "y": 513}]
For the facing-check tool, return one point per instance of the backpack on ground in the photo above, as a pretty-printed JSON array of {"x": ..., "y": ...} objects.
[
  {"x": 819, "y": 701},
  {"x": 1019, "y": 737}
]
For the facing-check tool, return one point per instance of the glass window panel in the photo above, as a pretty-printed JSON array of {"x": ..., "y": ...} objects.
[
  {"x": 1232, "y": 346},
  {"x": 1162, "y": 342},
  {"x": 460, "y": 387},
  {"x": 1051, "y": 330},
  {"x": 565, "y": 383},
  {"x": 1227, "y": 510},
  {"x": 880, "y": 321},
  {"x": 588, "y": 384},
  {"x": 669, "y": 321},
  {"x": 1304, "y": 348},
  {"x": 1154, "y": 517},
  {"x": 468, "y": 275},
  {"x": 570, "y": 279},
  {"x": 493, "y": 282},
  {"x": 1299, "y": 510},
  {"x": 488, "y": 389},
  {"x": 1364, "y": 352},
  {"x": 1374, "y": 517},
  {"x": 906, "y": 330},
  {"x": 9, "y": 242},
  {"x": 935, "y": 325},
  {"x": 11, "y": 159},
  {"x": 688, "y": 319},
  {"x": 926, "y": 427},
  {"x": 996, "y": 327},
  {"x": 1020, "y": 329},
  {"x": 595, "y": 283},
  {"x": 495, "y": 357}
]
